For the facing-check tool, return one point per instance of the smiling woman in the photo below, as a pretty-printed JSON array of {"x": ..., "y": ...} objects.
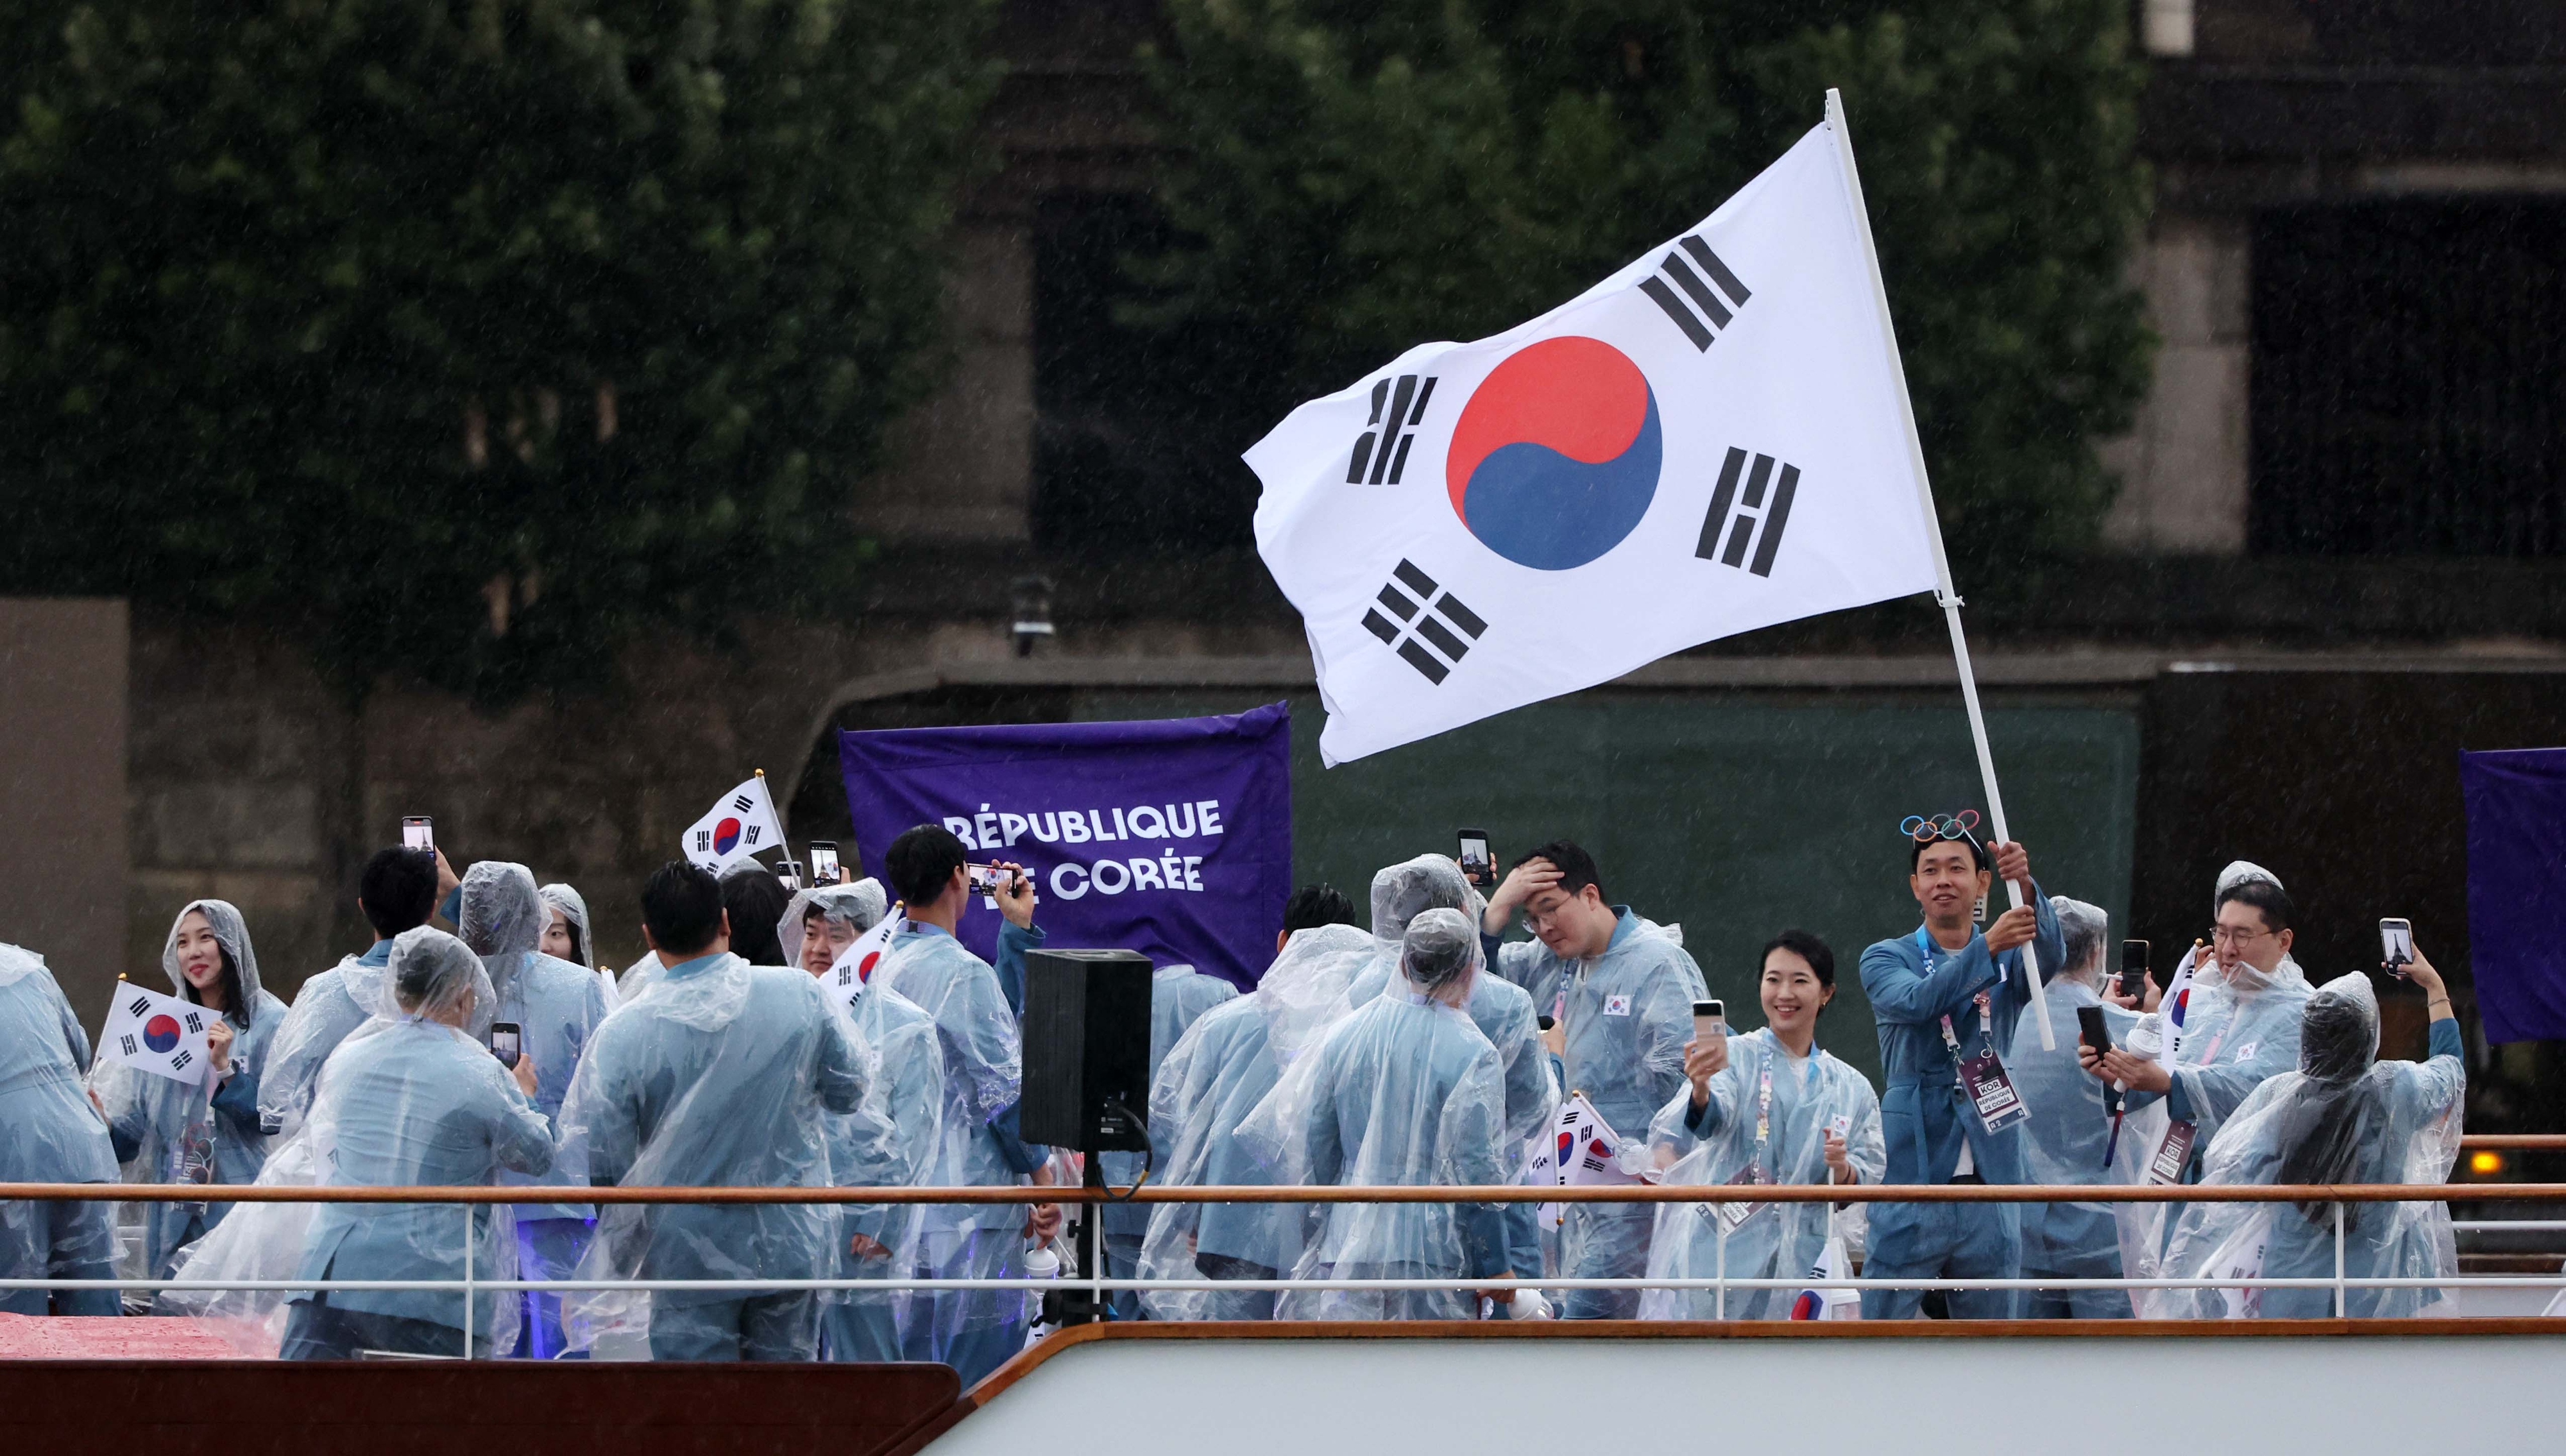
[{"x": 169, "y": 1132}]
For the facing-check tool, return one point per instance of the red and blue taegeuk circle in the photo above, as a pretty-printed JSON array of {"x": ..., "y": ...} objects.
[
  {"x": 725, "y": 835},
  {"x": 1555, "y": 458},
  {"x": 160, "y": 1033}
]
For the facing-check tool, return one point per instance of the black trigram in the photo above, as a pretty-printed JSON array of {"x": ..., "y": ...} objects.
[
  {"x": 138, "y": 1006},
  {"x": 1424, "y": 624},
  {"x": 194, "y": 1025},
  {"x": 179, "y": 1062},
  {"x": 703, "y": 840},
  {"x": 1707, "y": 313},
  {"x": 1384, "y": 448},
  {"x": 1740, "y": 527},
  {"x": 743, "y": 803},
  {"x": 127, "y": 1042}
]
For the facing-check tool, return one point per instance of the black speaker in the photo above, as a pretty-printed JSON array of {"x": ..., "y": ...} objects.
[{"x": 1087, "y": 1050}]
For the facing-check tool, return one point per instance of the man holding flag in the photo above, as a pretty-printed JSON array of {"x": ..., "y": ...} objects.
[{"x": 1946, "y": 999}]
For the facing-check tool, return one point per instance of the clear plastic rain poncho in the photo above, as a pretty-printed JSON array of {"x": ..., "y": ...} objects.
[
  {"x": 572, "y": 907},
  {"x": 555, "y": 1005},
  {"x": 1504, "y": 1012},
  {"x": 1214, "y": 1077},
  {"x": 2344, "y": 1116},
  {"x": 327, "y": 1010},
  {"x": 1766, "y": 1122},
  {"x": 53, "y": 1136},
  {"x": 171, "y": 1132},
  {"x": 895, "y": 1139},
  {"x": 984, "y": 1073},
  {"x": 415, "y": 1101},
  {"x": 720, "y": 1074},
  {"x": 1404, "y": 1092},
  {"x": 2238, "y": 1028},
  {"x": 2069, "y": 1132},
  {"x": 264, "y": 1241}
]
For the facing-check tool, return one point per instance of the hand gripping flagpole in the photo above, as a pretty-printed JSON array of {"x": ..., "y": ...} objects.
[{"x": 1942, "y": 592}]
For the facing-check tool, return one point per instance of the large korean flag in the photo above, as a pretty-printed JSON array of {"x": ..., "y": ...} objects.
[{"x": 1712, "y": 441}]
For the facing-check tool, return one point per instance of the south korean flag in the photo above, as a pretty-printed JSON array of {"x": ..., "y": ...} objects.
[
  {"x": 1712, "y": 441},
  {"x": 740, "y": 825},
  {"x": 154, "y": 1033},
  {"x": 853, "y": 968}
]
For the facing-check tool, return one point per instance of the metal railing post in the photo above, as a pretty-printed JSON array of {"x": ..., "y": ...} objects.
[
  {"x": 468, "y": 1300},
  {"x": 1719, "y": 1297},
  {"x": 2339, "y": 1300}
]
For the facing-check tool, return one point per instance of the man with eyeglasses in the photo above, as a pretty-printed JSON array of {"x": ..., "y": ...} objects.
[
  {"x": 2237, "y": 1026},
  {"x": 1945, "y": 999},
  {"x": 1620, "y": 991}
]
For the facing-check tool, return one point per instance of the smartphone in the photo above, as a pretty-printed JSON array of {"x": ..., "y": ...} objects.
[
  {"x": 504, "y": 1042},
  {"x": 418, "y": 831},
  {"x": 1710, "y": 1019},
  {"x": 2092, "y": 1030},
  {"x": 1477, "y": 865},
  {"x": 986, "y": 879},
  {"x": 2134, "y": 968},
  {"x": 790, "y": 871},
  {"x": 824, "y": 862},
  {"x": 2397, "y": 942}
]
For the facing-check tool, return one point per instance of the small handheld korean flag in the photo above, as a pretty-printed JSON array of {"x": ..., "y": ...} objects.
[
  {"x": 1588, "y": 1152},
  {"x": 855, "y": 966},
  {"x": 739, "y": 824},
  {"x": 154, "y": 1033}
]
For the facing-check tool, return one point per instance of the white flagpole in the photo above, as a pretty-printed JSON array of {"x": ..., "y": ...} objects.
[{"x": 1944, "y": 594}]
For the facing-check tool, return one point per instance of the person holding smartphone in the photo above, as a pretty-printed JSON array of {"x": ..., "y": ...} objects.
[
  {"x": 975, "y": 1006},
  {"x": 556, "y": 1007},
  {"x": 416, "y": 1099},
  {"x": 2341, "y": 1116},
  {"x": 2206, "y": 1048},
  {"x": 1767, "y": 1107},
  {"x": 397, "y": 891},
  {"x": 2071, "y": 1130},
  {"x": 896, "y": 1140}
]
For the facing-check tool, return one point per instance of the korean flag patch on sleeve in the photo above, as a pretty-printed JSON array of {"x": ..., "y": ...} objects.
[{"x": 1616, "y": 1006}]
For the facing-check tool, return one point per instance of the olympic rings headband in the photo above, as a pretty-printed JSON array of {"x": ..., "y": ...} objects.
[{"x": 1926, "y": 828}]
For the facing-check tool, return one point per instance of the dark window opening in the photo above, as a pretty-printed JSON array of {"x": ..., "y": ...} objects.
[
  {"x": 2408, "y": 384},
  {"x": 1139, "y": 428}
]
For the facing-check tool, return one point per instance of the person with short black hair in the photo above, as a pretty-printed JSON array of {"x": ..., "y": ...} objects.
[
  {"x": 755, "y": 899},
  {"x": 1619, "y": 992},
  {"x": 2192, "y": 1063},
  {"x": 975, "y": 1006},
  {"x": 1946, "y": 998},
  {"x": 1311, "y": 906},
  {"x": 397, "y": 891},
  {"x": 720, "y": 1074}
]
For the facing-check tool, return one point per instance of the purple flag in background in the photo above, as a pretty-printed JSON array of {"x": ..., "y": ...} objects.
[
  {"x": 2517, "y": 890},
  {"x": 1170, "y": 837}
]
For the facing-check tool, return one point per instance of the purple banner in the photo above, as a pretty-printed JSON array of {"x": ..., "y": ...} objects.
[
  {"x": 2518, "y": 890},
  {"x": 1170, "y": 837}
]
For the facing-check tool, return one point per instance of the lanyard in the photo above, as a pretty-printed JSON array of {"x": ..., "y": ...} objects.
[{"x": 1763, "y": 1112}]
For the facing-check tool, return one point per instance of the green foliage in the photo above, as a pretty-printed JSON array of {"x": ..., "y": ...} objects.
[
  {"x": 1357, "y": 177},
  {"x": 465, "y": 339}
]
